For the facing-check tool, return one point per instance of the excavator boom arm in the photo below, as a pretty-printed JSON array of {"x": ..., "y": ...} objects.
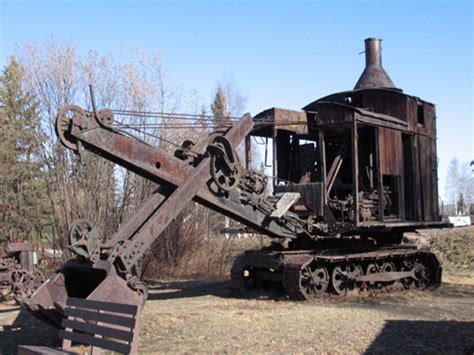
[{"x": 179, "y": 182}]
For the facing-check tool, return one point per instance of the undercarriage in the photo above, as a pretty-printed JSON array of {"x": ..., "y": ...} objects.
[{"x": 304, "y": 274}]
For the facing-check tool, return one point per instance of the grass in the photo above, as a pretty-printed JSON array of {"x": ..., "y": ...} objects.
[{"x": 189, "y": 316}]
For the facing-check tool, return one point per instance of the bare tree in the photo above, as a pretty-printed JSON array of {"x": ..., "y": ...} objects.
[
  {"x": 94, "y": 188},
  {"x": 460, "y": 182}
]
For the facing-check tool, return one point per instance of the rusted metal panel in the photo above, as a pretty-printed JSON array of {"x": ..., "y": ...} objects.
[
  {"x": 355, "y": 170},
  {"x": 330, "y": 113},
  {"x": 283, "y": 119},
  {"x": 428, "y": 176},
  {"x": 378, "y": 167},
  {"x": 390, "y": 144},
  {"x": 294, "y": 121},
  {"x": 383, "y": 101},
  {"x": 434, "y": 166},
  {"x": 387, "y": 102},
  {"x": 379, "y": 120},
  {"x": 322, "y": 161}
]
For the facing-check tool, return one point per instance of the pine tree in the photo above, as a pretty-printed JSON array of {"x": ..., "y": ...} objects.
[
  {"x": 219, "y": 108},
  {"x": 201, "y": 121},
  {"x": 23, "y": 208}
]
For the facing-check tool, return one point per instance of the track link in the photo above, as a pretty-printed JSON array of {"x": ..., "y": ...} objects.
[{"x": 307, "y": 274}]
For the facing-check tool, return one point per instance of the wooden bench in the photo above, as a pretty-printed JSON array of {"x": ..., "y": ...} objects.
[{"x": 101, "y": 325}]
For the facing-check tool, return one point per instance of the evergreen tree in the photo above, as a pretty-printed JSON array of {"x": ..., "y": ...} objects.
[
  {"x": 219, "y": 108},
  {"x": 23, "y": 208},
  {"x": 202, "y": 118}
]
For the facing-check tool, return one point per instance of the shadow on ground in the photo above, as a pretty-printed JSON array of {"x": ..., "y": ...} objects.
[
  {"x": 25, "y": 330},
  {"x": 421, "y": 337},
  {"x": 165, "y": 290},
  {"x": 397, "y": 336}
]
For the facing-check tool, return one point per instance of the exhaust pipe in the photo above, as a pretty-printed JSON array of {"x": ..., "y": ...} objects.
[{"x": 374, "y": 75}]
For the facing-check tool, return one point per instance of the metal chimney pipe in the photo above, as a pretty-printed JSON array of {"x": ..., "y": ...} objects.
[
  {"x": 374, "y": 76},
  {"x": 373, "y": 51}
]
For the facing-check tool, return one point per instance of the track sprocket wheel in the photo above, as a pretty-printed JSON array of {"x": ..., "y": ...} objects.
[{"x": 424, "y": 278}]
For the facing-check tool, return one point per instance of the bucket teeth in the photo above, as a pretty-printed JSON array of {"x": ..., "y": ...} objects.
[
  {"x": 50, "y": 316},
  {"x": 59, "y": 307}
]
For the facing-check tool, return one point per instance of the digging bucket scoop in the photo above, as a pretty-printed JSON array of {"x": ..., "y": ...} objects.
[{"x": 78, "y": 278}]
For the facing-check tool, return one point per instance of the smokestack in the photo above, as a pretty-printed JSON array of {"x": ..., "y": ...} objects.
[{"x": 374, "y": 76}]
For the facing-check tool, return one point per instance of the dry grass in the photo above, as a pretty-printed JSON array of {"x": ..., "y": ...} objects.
[
  {"x": 197, "y": 316},
  {"x": 454, "y": 247},
  {"x": 208, "y": 258},
  {"x": 208, "y": 317}
]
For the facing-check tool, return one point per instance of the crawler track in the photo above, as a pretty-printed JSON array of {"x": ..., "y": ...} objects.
[{"x": 307, "y": 274}]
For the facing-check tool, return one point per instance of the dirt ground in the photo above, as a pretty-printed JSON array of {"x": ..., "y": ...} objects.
[{"x": 210, "y": 317}]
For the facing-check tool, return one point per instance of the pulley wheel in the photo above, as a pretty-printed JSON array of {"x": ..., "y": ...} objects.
[
  {"x": 105, "y": 117},
  {"x": 81, "y": 239},
  {"x": 225, "y": 164},
  {"x": 79, "y": 230},
  {"x": 64, "y": 122}
]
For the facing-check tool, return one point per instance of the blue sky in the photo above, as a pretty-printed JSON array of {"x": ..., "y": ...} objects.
[{"x": 280, "y": 53}]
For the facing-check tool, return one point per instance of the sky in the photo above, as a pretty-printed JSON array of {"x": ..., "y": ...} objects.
[{"x": 280, "y": 53}]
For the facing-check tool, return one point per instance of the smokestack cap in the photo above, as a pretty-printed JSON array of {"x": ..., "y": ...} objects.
[{"x": 374, "y": 76}]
